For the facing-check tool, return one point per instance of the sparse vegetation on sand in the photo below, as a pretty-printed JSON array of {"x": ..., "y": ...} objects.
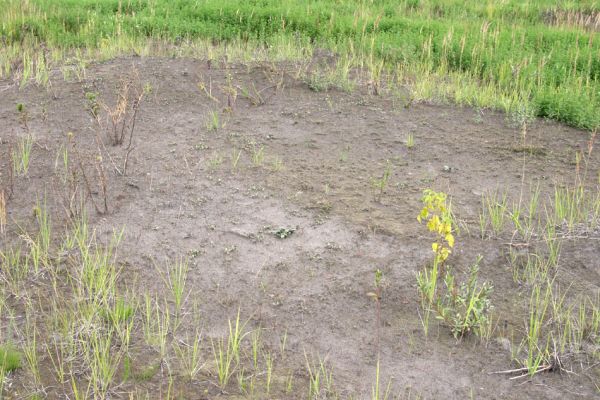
[{"x": 232, "y": 214}]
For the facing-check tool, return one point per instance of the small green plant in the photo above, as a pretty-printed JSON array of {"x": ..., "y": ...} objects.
[
  {"x": 21, "y": 157},
  {"x": 235, "y": 158},
  {"x": 410, "y": 141},
  {"x": 23, "y": 115},
  {"x": 570, "y": 206},
  {"x": 319, "y": 82},
  {"x": 190, "y": 357},
  {"x": 30, "y": 352},
  {"x": 157, "y": 325},
  {"x": 494, "y": 213},
  {"x": 269, "y": 372},
  {"x": 381, "y": 183},
  {"x": 344, "y": 154},
  {"x": 320, "y": 380},
  {"x": 253, "y": 95},
  {"x": 227, "y": 352},
  {"x": 277, "y": 164},
  {"x": 256, "y": 345},
  {"x": 10, "y": 358},
  {"x": 92, "y": 105},
  {"x": 465, "y": 308},
  {"x": 215, "y": 160},
  {"x": 148, "y": 88},
  {"x": 176, "y": 280},
  {"x": 213, "y": 121},
  {"x": 258, "y": 155},
  {"x": 376, "y": 392},
  {"x": 223, "y": 361}
]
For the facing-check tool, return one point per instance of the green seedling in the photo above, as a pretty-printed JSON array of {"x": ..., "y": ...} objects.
[
  {"x": 21, "y": 158},
  {"x": 345, "y": 152},
  {"x": 213, "y": 122},
  {"x": 235, "y": 158},
  {"x": 256, "y": 346},
  {"x": 176, "y": 279},
  {"x": 258, "y": 155},
  {"x": 23, "y": 115},
  {"x": 494, "y": 212},
  {"x": 190, "y": 357},
  {"x": 253, "y": 95},
  {"x": 227, "y": 352},
  {"x": 92, "y": 104},
  {"x": 410, "y": 141},
  {"x": 215, "y": 160},
  {"x": 30, "y": 352},
  {"x": 376, "y": 391},
  {"x": 381, "y": 183},
  {"x": 277, "y": 164},
  {"x": 320, "y": 380},
  {"x": 157, "y": 325},
  {"x": 465, "y": 308},
  {"x": 284, "y": 233},
  {"x": 269, "y": 372},
  {"x": 224, "y": 359},
  {"x": 10, "y": 359}
]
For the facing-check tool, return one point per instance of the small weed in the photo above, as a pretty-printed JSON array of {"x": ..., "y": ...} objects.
[
  {"x": 253, "y": 95},
  {"x": 148, "y": 372},
  {"x": 494, "y": 213},
  {"x": 92, "y": 105},
  {"x": 256, "y": 345},
  {"x": 23, "y": 116},
  {"x": 344, "y": 155},
  {"x": 284, "y": 233},
  {"x": 410, "y": 141},
  {"x": 213, "y": 122},
  {"x": 277, "y": 164},
  {"x": 189, "y": 356},
  {"x": 215, "y": 160},
  {"x": 320, "y": 380},
  {"x": 10, "y": 358},
  {"x": 269, "y": 372},
  {"x": 122, "y": 115},
  {"x": 176, "y": 280},
  {"x": 223, "y": 361},
  {"x": 227, "y": 352},
  {"x": 465, "y": 308},
  {"x": 21, "y": 158},
  {"x": 319, "y": 82},
  {"x": 376, "y": 390},
  {"x": 235, "y": 158},
  {"x": 382, "y": 183},
  {"x": 258, "y": 155}
]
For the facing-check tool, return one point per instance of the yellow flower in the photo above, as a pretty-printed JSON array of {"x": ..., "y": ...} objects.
[{"x": 433, "y": 223}]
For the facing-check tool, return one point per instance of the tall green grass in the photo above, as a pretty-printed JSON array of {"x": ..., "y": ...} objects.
[{"x": 511, "y": 55}]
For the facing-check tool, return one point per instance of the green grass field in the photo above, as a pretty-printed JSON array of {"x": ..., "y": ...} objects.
[{"x": 525, "y": 57}]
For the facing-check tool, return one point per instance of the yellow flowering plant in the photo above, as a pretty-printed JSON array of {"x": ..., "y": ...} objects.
[
  {"x": 437, "y": 214},
  {"x": 439, "y": 221},
  {"x": 464, "y": 307}
]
